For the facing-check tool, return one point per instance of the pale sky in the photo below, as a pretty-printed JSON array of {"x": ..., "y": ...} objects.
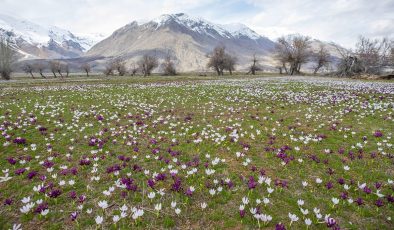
[{"x": 341, "y": 21}]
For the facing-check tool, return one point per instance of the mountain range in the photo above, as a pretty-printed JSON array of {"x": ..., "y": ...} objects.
[
  {"x": 34, "y": 41},
  {"x": 188, "y": 40}
]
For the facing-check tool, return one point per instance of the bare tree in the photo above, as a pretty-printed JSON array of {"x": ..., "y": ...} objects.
[
  {"x": 66, "y": 69},
  {"x": 120, "y": 66},
  {"x": 28, "y": 68},
  {"x": 293, "y": 50},
  {"x": 373, "y": 54},
  {"x": 133, "y": 70},
  {"x": 321, "y": 58},
  {"x": 86, "y": 68},
  {"x": 255, "y": 66},
  {"x": 216, "y": 60},
  {"x": 109, "y": 68},
  {"x": 229, "y": 63},
  {"x": 55, "y": 68},
  {"x": 219, "y": 61},
  {"x": 349, "y": 64},
  {"x": 169, "y": 66},
  {"x": 40, "y": 67},
  {"x": 147, "y": 64},
  {"x": 392, "y": 54},
  {"x": 7, "y": 58}
]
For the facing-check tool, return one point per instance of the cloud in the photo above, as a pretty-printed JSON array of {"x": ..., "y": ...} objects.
[
  {"x": 331, "y": 20},
  {"x": 341, "y": 21}
]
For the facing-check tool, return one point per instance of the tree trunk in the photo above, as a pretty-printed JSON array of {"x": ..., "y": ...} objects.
[
  {"x": 54, "y": 74},
  {"x": 285, "y": 68},
  {"x": 317, "y": 69},
  {"x": 32, "y": 76}
]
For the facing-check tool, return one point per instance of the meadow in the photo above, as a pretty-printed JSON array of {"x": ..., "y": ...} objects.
[{"x": 197, "y": 152}]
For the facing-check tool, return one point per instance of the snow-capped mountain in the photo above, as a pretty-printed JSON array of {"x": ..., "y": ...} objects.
[
  {"x": 201, "y": 26},
  {"x": 188, "y": 39},
  {"x": 37, "y": 41}
]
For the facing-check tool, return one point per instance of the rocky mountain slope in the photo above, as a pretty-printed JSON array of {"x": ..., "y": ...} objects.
[{"x": 187, "y": 39}]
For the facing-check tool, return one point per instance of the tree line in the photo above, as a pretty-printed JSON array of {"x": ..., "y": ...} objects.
[{"x": 371, "y": 56}]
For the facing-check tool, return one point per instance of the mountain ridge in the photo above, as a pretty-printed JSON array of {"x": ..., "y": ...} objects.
[
  {"x": 33, "y": 41},
  {"x": 188, "y": 39}
]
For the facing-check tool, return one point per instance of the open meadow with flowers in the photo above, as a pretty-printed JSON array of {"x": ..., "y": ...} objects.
[{"x": 269, "y": 152}]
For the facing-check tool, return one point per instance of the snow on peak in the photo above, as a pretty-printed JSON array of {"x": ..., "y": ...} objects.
[
  {"x": 203, "y": 26},
  {"x": 40, "y": 35},
  {"x": 239, "y": 29}
]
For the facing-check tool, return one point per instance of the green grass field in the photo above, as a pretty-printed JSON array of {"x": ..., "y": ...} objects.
[{"x": 197, "y": 152}]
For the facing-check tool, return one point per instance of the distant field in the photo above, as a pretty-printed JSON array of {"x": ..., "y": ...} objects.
[{"x": 196, "y": 152}]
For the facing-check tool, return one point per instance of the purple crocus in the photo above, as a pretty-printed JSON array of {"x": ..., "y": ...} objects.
[
  {"x": 242, "y": 213},
  {"x": 329, "y": 185},
  {"x": 31, "y": 174},
  {"x": 20, "y": 171},
  {"x": 20, "y": 141},
  {"x": 378, "y": 133},
  {"x": 55, "y": 193},
  {"x": 8, "y": 201},
  {"x": 359, "y": 201},
  {"x": 330, "y": 222},
  {"x": 74, "y": 216},
  {"x": 41, "y": 207},
  {"x": 280, "y": 226},
  {"x": 379, "y": 203},
  {"x": 251, "y": 183}
]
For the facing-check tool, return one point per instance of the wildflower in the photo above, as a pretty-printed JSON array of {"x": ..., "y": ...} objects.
[
  {"x": 115, "y": 218},
  {"x": 151, "y": 195},
  {"x": 203, "y": 205},
  {"x": 26, "y": 200},
  {"x": 177, "y": 211},
  {"x": 16, "y": 227},
  {"x": 74, "y": 216},
  {"x": 300, "y": 202},
  {"x": 103, "y": 204},
  {"x": 304, "y": 211},
  {"x": 329, "y": 221},
  {"x": 379, "y": 203},
  {"x": 245, "y": 200},
  {"x": 335, "y": 200},
  {"x": 99, "y": 220},
  {"x": 308, "y": 221},
  {"x": 158, "y": 207},
  {"x": 360, "y": 201},
  {"x": 293, "y": 218},
  {"x": 25, "y": 209},
  {"x": 280, "y": 226}
]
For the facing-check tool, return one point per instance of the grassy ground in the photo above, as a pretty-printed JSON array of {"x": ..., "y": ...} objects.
[{"x": 122, "y": 139}]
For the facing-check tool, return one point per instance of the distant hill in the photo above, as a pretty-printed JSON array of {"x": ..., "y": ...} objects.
[{"x": 188, "y": 39}]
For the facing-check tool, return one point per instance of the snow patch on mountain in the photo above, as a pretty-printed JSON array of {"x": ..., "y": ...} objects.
[
  {"x": 203, "y": 26},
  {"x": 41, "y": 35}
]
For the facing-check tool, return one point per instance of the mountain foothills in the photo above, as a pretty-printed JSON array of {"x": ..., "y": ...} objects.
[{"x": 186, "y": 39}]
